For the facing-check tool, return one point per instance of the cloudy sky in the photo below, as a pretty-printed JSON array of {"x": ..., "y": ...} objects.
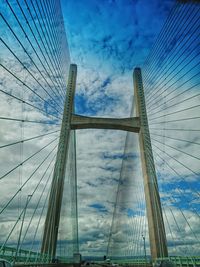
[{"x": 107, "y": 39}]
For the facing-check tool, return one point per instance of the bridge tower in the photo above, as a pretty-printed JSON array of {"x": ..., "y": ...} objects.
[
  {"x": 138, "y": 124},
  {"x": 55, "y": 199},
  {"x": 157, "y": 236}
]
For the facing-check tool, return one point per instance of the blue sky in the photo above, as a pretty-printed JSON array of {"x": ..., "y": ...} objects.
[{"x": 107, "y": 39}]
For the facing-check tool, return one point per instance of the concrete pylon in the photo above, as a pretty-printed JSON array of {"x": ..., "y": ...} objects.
[
  {"x": 50, "y": 234},
  {"x": 157, "y": 236},
  {"x": 139, "y": 125}
]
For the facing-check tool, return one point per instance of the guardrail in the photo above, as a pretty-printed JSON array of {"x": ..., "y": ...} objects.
[
  {"x": 178, "y": 261},
  {"x": 30, "y": 258},
  {"x": 23, "y": 255}
]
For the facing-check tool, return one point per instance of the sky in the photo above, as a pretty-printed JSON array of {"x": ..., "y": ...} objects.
[{"x": 107, "y": 39}]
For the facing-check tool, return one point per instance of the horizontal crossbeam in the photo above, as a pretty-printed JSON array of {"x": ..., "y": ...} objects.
[{"x": 131, "y": 124}]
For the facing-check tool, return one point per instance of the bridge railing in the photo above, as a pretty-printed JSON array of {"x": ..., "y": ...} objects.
[
  {"x": 183, "y": 261},
  {"x": 23, "y": 255},
  {"x": 178, "y": 261}
]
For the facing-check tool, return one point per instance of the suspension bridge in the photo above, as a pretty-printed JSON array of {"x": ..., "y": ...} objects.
[{"x": 49, "y": 210}]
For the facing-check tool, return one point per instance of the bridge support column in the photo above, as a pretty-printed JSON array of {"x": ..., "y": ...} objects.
[
  {"x": 157, "y": 236},
  {"x": 54, "y": 207}
]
